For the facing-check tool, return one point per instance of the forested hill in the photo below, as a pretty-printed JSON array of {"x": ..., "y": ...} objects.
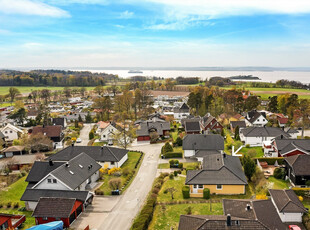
[{"x": 53, "y": 78}]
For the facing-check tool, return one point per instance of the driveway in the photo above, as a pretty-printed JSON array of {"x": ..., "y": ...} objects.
[
  {"x": 84, "y": 132},
  {"x": 119, "y": 213}
]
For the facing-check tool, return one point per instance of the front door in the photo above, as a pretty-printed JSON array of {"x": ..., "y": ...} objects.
[{"x": 195, "y": 188}]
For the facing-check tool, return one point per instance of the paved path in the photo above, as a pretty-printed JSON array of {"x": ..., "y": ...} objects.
[
  {"x": 84, "y": 134},
  {"x": 117, "y": 213}
]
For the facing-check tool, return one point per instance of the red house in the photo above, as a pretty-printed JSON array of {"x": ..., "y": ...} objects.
[
  {"x": 8, "y": 221},
  {"x": 53, "y": 209},
  {"x": 210, "y": 123},
  {"x": 290, "y": 147},
  {"x": 146, "y": 128}
]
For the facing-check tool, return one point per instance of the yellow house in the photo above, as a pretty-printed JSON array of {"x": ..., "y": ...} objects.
[{"x": 221, "y": 173}]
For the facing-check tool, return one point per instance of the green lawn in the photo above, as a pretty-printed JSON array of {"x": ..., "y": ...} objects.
[
  {"x": 27, "y": 89},
  {"x": 130, "y": 163},
  {"x": 169, "y": 218},
  {"x": 259, "y": 151},
  {"x": 13, "y": 195},
  {"x": 174, "y": 135},
  {"x": 277, "y": 183},
  {"x": 163, "y": 166}
]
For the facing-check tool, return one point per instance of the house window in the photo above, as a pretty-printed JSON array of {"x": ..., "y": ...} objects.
[
  {"x": 103, "y": 136},
  {"x": 49, "y": 180},
  {"x": 200, "y": 186},
  {"x": 219, "y": 187},
  {"x": 54, "y": 181},
  {"x": 112, "y": 162},
  {"x": 195, "y": 185},
  {"x": 44, "y": 218},
  {"x": 11, "y": 131},
  {"x": 237, "y": 222},
  {"x": 57, "y": 218},
  {"x": 6, "y": 132}
]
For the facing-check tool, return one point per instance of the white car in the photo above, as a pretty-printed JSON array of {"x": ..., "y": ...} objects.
[{"x": 79, "y": 140}]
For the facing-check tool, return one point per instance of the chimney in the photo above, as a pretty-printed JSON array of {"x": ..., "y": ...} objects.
[
  {"x": 67, "y": 164},
  {"x": 281, "y": 136},
  {"x": 228, "y": 221},
  {"x": 51, "y": 163},
  {"x": 102, "y": 147},
  {"x": 224, "y": 155},
  {"x": 248, "y": 207},
  {"x": 72, "y": 144}
]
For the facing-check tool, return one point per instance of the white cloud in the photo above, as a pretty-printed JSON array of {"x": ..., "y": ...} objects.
[
  {"x": 222, "y": 8},
  {"x": 67, "y": 2},
  {"x": 32, "y": 45},
  {"x": 126, "y": 14},
  {"x": 30, "y": 7}
]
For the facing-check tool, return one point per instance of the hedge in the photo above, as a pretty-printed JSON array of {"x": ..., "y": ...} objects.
[
  {"x": 206, "y": 193},
  {"x": 302, "y": 191},
  {"x": 270, "y": 160},
  {"x": 173, "y": 155},
  {"x": 185, "y": 192}
]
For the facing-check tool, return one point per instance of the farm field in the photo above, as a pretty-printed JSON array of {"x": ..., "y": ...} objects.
[{"x": 27, "y": 89}]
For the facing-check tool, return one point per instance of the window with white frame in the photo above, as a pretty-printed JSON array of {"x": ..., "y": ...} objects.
[
  {"x": 219, "y": 187},
  {"x": 200, "y": 186}
]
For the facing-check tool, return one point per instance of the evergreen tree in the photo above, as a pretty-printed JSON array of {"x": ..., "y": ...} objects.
[{"x": 237, "y": 135}]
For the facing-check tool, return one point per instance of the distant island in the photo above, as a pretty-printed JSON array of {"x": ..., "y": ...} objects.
[
  {"x": 135, "y": 71},
  {"x": 244, "y": 77}
]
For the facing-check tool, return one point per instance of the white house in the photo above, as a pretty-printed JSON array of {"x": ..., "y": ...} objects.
[
  {"x": 256, "y": 119},
  {"x": 106, "y": 131},
  {"x": 181, "y": 112},
  {"x": 255, "y": 136},
  {"x": 287, "y": 204},
  {"x": 11, "y": 132}
]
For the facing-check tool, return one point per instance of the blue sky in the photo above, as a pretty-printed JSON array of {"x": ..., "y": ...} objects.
[{"x": 154, "y": 33}]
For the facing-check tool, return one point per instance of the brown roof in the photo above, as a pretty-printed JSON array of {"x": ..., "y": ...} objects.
[
  {"x": 260, "y": 210},
  {"x": 287, "y": 201},
  {"x": 54, "y": 207},
  {"x": 15, "y": 148},
  {"x": 192, "y": 222},
  {"x": 51, "y": 131}
]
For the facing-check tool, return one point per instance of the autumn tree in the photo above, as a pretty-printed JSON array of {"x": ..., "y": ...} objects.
[{"x": 13, "y": 92}]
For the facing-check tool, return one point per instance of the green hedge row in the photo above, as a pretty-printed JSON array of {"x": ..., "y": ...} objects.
[
  {"x": 271, "y": 160},
  {"x": 173, "y": 155},
  {"x": 206, "y": 193},
  {"x": 305, "y": 192},
  {"x": 185, "y": 192}
]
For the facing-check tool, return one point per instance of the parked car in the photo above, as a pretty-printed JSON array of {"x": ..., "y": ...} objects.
[
  {"x": 294, "y": 227},
  {"x": 78, "y": 140}
]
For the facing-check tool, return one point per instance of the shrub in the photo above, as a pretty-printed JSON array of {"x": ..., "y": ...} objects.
[
  {"x": 9, "y": 205},
  {"x": 279, "y": 173},
  {"x": 271, "y": 160},
  {"x": 188, "y": 210},
  {"x": 91, "y": 135},
  {"x": 165, "y": 191},
  {"x": 127, "y": 171},
  {"x": 179, "y": 141},
  {"x": 155, "y": 190},
  {"x": 261, "y": 197},
  {"x": 114, "y": 170},
  {"x": 1, "y": 205},
  {"x": 115, "y": 183},
  {"x": 157, "y": 185},
  {"x": 166, "y": 148},
  {"x": 16, "y": 205},
  {"x": 173, "y": 155},
  {"x": 304, "y": 192},
  {"x": 206, "y": 193},
  {"x": 179, "y": 172},
  {"x": 308, "y": 182},
  {"x": 171, "y": 176},
  {"x": 180, "y": 166},
  {"x": 185, "y": 192},
  {"x": 247, "y": 145},
  {"x": 99, "y": 192},
  {"x": 300, "y": 198},
  {"x": 175, "y": 173}
]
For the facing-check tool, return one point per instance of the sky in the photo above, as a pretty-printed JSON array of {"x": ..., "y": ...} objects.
[{"x": 154, "y": 33}]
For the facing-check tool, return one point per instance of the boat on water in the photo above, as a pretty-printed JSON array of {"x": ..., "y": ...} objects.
[{"x": 135, "y": 71}]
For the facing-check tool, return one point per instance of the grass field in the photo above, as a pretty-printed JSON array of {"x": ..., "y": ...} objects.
[
  {"x": 258, "y": 150},
  {"x": 168, "y": 217},
  {"x": 13, "y": 195},
  {"x": 27, "y": 89},
  {"x": 277, "y": 183}
]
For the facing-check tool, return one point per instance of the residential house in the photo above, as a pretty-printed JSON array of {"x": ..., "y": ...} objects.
[
  {"x": 181, "y": 112},
  {"x": 52, "y": 209},
  {"x": 262, "y": 211},
  {"x": 31, "y": 196},
  {"x": 284, "y": 147},
  {"x": 192, "y": 127},
  {"x": 2, "y": 140},
  {"x": 237, "y": 117},
  {"x": 234, "y": 124},
  {"x": 9, "y": 221},
  {"x": 14, "y": 150},
  {"x": 209, "y": 123},
  {"x": 298, "y": 170},
  {"x": 156, "y": 126},
  {"x": 11, "y": 132},
  {"x": 220, "y": 173},
  {"x": 256, "y": 119},
  {"x": 54, "y": 132},
  {"x": 255, "y": 136},
  {"x": 287, "y": 204},
  {"x": 106, "y": 131},
  {"x": 78, "y": 174},
  {"x": 60, "y": 121},
  {"x": 18, "y": 162},
  {"x": 282, "y": 121},
  {"x": 104, "y": 155},
  {"x": 200, "y": 145},
  {"x": 294, "y": 133},
  {"x": 32, "y": 114}
]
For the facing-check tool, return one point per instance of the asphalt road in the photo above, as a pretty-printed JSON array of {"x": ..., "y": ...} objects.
[
  {"x": 84, "y": 134},
  {"x": 123, "y": 213}
]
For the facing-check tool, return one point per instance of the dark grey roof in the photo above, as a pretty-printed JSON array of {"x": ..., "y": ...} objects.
[
  {"x": 192, "y": 126},
  {"x": 253, "y": 115},
  {"x": 1, "y": 135},
  {"x": 40, "y": 169},
  {"x": 203, "y": 142},
  {"x": 54, "y": 207},
  {"x": 300, "y": 164},
  {"x": 260, "y": 210},
  {"x": 79, "y": 169},
  {"x": 182, "y": 109},
  {"x": 99, "y": 153},
  {"x": 241, "y": 124},
  {"x": 207, "y": 119},
  {"x": 203, "y": 153},
  {"x": 58, "y": 121},
  {"x": 287, "y": 201},
  {"x": 158, "y": 125},
  {"x": 193, "y": 222},
  {"x": 36, "y": 194},
  {"x": 263, "y": 132},
  {"x": 285, "y": 146},
  {"x": 291, "y": 130},
  {"x": 196, "y": 119},
  {"x": 218, "y": 169}
]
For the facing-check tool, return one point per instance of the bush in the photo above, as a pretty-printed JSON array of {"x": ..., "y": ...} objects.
[
  {"x": 171, "y": 176},
  {"x": 166, "y": 148},
  {"x": 271, "y": 160},
  {"x": 308, "y": 182},
  {"x": 91, "y": 135},
  {"x": 185, "y": 192},
  {"x": 174, "y": 163},
  {"x": 173, "y": 155},
  {"x": 175, "y": 173},
  {"x": 155, "y": 190},
  {"x": 180, "y": 166},
  {"x": 279, "y": 173},
  {"x": 1, "y": 205},
  {"x": 99, "y": 192},
  {"x": 16, "y": 205},
  {"x": 9, "y": 205},
  {"x": 179, "y": 141},
  {"x": 304, "y": 192},
  {"x": 206, "y": 193}
]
